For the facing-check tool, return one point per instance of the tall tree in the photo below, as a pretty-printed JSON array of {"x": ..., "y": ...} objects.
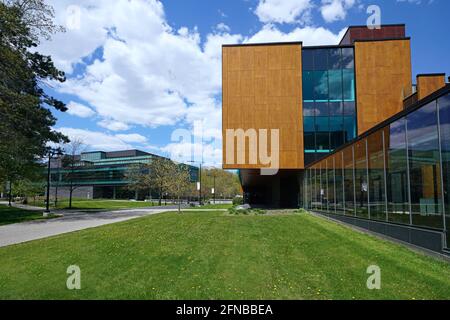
[
  {"x": 159, "y": 175},
  {"x": 25, "y": 118},
  {"x": 71, "y": 162},
  {"x": 226, "y": 183},
  {"x": 179, "y": 181}
]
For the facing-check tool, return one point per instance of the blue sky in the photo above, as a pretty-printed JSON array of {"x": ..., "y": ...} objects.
[{"x": 143, "y": 73}]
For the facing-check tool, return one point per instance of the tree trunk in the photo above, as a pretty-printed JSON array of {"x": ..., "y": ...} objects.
[
  {"x": 179, "y": 204},
  {"x": 56, "y": 197},
  {"x": 10, "y": 194},
  {"x": 70, "y": 198},
  {"x": 160, "y": 196}
]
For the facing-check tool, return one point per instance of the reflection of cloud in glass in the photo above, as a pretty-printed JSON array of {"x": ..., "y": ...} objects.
[
  {"x": 321, "y": 83},
  {"x": 397, "y": 134}
]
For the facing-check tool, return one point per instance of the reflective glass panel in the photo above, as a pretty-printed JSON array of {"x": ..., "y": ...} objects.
[
  {"x": 349, "y": 182},
  {"x": 424, "y": 167},
  {"x": 444, "y": 116},
  {"x": 361, "y": 181},
  {"x": 335, "y": 85},
  {"x": 348, "y": 59},
  {"x": 349, "y": 84},
  {"x": 377, "y": 192},
  {"x": 397, "y": 180},
  {"x": 339, "y": 183},
  {"x": 334, "y": 59},
  {"x": 330, "y": 173},
  {"x": 308, "y": 85},
  {"x": 321, "y": 86},
  {"x": 308, "y": 59}
]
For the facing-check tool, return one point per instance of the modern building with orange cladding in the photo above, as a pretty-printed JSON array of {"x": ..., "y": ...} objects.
[{"x": 320, "y": 101}]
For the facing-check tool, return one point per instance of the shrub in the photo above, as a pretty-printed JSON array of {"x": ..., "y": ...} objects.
[
  {"x": 246, "y": 212},
  {"x": 237, "y": 201}
]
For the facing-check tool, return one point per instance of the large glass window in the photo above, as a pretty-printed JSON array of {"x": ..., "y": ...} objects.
[
  {"x": 328, "y": 94},
  {"x": 318, "y": 203},
  {"x": 349, "y": 84},
  {"x": 444, "y": 116},
  {"x": 330, "y": 172},
  {"x": 377, "y": 192},
  {"x": 322, "y": 134},
  {"x": 308, "y": 86},
  {"x": 336, "y": 132},
  {"x": 349, "y": 182},
  {"x": 397, "y": 172},
  {"x": 339, "y": 183},
  {"x": 335, "y": 85},
  {"x": 308, "y": 60},
  {"x": 349, "y": 128},
  {"x": 320, "y": 59},
  {"x": 361, "y": 182},
  {"x": 321, "y": 86},
  {"x": 334, "y": 59},
  {"x": 324, "y": 186},
  {"x": 348, "y": 60},
  {"x": 424, "y": 167}
]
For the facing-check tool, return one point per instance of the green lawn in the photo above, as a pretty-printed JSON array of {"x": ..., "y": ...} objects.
[
  {"x": 216, "y": 206},
  {"x": 100, "y": 204},
  {"x": 14, "y": 215},
  {"x": 213, "y": 255}
]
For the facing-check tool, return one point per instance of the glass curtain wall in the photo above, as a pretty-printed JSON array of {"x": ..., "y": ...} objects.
[
  {"x": 424, "y": 167},
  {"x": 339, "y": 183},
  {"x": 399, "y": 173},
  {"x": 361, "y": 181},
  {"x": 377, "y": 181},
  {"x": 444, "y": 125},
  {"x": 329, "y": 111}
]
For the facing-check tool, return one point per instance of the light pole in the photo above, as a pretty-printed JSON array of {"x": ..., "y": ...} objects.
[
  {"x": 214, "y": 188},
  {"x": 199, "y": 185},
  {"x": 51, "y": 153}
]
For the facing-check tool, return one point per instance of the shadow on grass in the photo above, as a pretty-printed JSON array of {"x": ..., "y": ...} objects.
[{"x": 10, "y": 215}]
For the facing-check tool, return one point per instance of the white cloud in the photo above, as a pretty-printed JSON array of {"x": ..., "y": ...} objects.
[
  {"x": 152, "y": 75},
  {"x": 149, "y": 74},
  {"x": 310, "y": 36},
  {"x": 132, "y": 138},
  {"x": 334, "y": 10},
  {"x": 79, "y": 110},
  {"x": 283, "y": 11},
  {"x": 223, "y": 27},
  {"x": 113, "y": 125},
  {"x": 95, "y": 140},
  {"x": 209, "y": 153},
  {"x": 415, "y": 1}
]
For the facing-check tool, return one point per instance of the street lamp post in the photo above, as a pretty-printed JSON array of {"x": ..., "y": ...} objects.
[
  {"x": 200, "y": 186},
  {"x": 199, "y": 183},
  {"x": 51, "y": 153},
  {"x": 214, "y": 189}
]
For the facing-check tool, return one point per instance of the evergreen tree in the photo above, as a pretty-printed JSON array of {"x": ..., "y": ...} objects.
[{"x": 26, "y": 120}]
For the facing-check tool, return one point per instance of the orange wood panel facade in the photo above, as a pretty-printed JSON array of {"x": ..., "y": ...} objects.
[
  {"x": 262, "y": 89},
  {"x": 427, "y": 84},
  {"x": 383, "y": 79}
]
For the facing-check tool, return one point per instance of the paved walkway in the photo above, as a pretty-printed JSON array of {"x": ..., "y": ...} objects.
[{"x": 71, "y": 221}]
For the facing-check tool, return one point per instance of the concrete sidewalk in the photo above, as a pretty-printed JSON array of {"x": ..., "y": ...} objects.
[{"x": 71, "y": 221}]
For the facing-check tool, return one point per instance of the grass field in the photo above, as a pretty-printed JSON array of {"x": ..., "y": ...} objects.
[
  {"x": 100, "y": 204},
  {"x": 213, "y": 255},
  {"x": 217, "y": 206},
  {"x": 14, "y": 215}
]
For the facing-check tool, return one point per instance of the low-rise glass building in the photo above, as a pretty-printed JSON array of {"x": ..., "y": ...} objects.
[{"x": 102, "y": 174}]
